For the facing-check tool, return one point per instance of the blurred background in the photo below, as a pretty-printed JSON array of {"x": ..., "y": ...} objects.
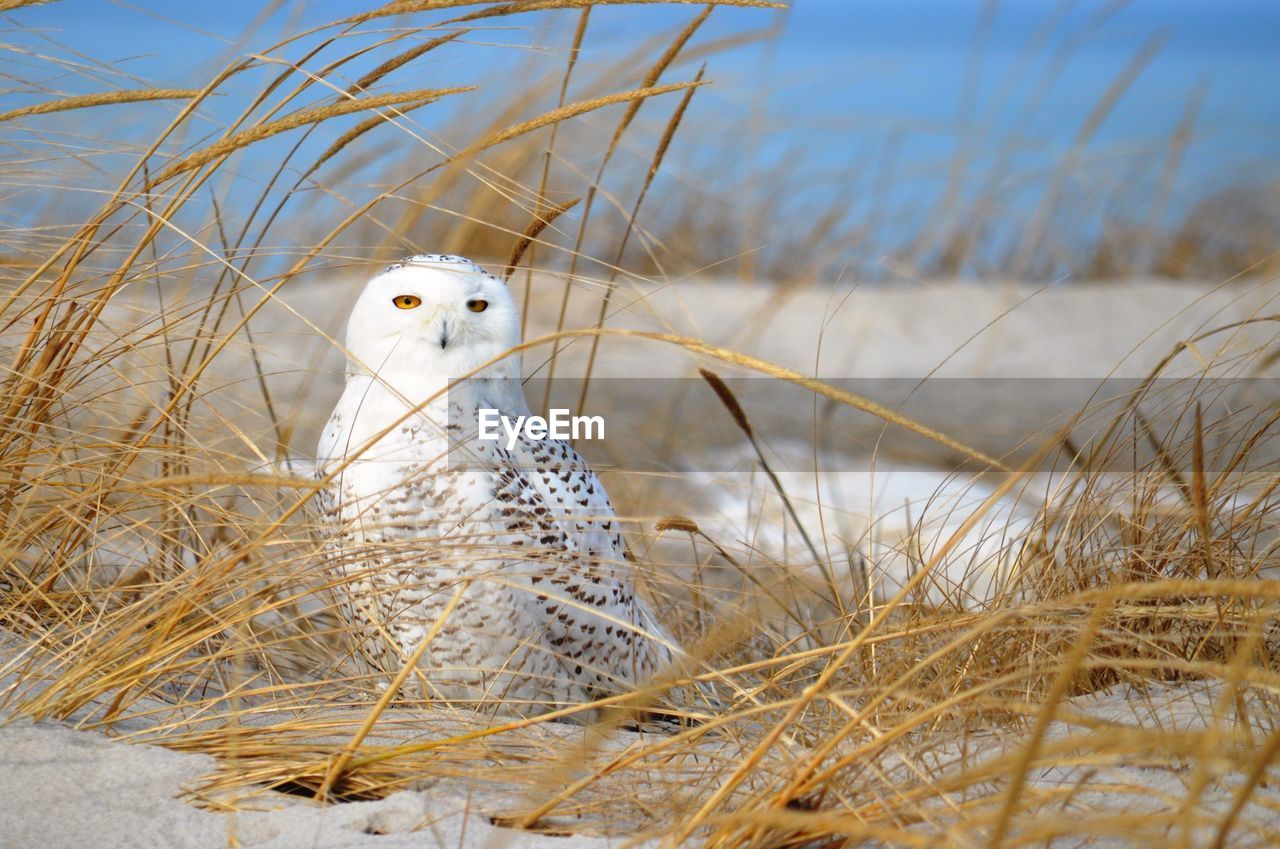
[{"x": 872, "y": 140}]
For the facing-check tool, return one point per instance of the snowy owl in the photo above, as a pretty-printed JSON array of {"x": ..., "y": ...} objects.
[{"x": 420, "y": 513}]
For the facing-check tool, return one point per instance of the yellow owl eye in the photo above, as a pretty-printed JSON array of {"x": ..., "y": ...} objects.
[
  {"x": 407, "y": 302},
  {"x": 477, "y": 305}
]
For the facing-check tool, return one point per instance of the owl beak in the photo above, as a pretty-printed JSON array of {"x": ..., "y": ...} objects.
[{"x": 445, "y": 328}]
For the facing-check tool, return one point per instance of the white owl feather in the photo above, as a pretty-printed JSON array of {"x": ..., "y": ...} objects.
[{"x": 416, "y": 505}]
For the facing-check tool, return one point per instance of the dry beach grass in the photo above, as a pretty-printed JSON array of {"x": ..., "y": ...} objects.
[{"x": 1116, "y": 684}]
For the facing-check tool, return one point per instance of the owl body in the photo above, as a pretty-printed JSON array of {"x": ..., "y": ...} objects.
[{"x": 417, "y": 509}]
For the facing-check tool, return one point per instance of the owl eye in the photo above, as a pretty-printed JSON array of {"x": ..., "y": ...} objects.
[
  {"x": 477, "y": 305},
  {"x": 407, "y": 302}
]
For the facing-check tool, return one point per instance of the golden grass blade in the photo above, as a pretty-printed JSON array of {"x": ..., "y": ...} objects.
[
  {"x": 849, "y": 399},
  {"x": 664, "y": 61},
  {"x": 1021, "y": 262},
  {"x": 573, "y": 110},
  {"x": 370, "y": 123},
  {"x": 1262, "y": 762},
  {"x": 405, "y": 7},
  {"x": 84, "y": 239},
  {"x": 106, "y": 98},
  {"x": 655, "y": 73},
  {"x": 579, "y": 33},
  {"x": 410, "y": 666},
  {"x": 727, "y": 398},
  {"x": 654, "y": 165},
  {"x": 541, "y": 221},
  {"x": 244, "y": 138},
  {"x": 1201, "y": 497},
  {"x": 375, "y": 76},
  {"x": 814, "y": 690},
  {"x": 1066, "y": 675}
]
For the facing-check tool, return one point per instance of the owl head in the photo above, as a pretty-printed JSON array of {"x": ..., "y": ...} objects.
[{"x": 433, "y": 316}]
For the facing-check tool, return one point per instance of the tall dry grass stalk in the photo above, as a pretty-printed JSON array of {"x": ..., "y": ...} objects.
[{"x": 161, "y": 582}]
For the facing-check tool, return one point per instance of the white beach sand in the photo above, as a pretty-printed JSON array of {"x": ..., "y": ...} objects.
[{"x": 67, "y": 789}]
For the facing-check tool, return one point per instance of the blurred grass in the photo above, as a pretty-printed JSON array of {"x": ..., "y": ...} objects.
[{"x": 157, "y": 587}]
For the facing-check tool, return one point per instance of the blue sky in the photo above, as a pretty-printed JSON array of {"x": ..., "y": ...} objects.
[
  {"x": 873, "y": 63},
  {"x": 848, "y": 79}
]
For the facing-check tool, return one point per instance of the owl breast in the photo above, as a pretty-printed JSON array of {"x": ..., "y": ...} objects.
[{"x": 417, "y": 511}]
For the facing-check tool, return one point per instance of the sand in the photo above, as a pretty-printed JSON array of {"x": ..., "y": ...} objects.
[{"x": 67, "y": 789}]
